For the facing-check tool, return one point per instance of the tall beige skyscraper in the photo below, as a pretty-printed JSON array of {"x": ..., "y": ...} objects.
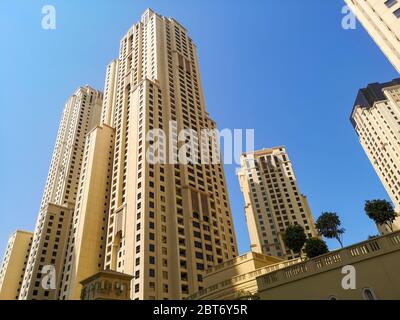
[
  {"x": 14, "y": 264},
  {"x": 86, "y": 247},
  {"x": 167, "y": 222},
  {"x": 81, "y": 113},
  {"x": 381, "y": 19},
  {"x": 272, "y": 200},
  {"x": 376, "y": 120}
]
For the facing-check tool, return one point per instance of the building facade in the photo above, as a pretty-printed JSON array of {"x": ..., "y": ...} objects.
[
  {"x": 381, "y": 19},
  {"x": 351, "y": 273},
  {"x": 107, "y": 285},
  {"x": 272, "y": 201},
  {"x": 167, "y": 221},
  {"x": 364, "y": 271},
  {"x": 236, "y": 279},
  {"x": 14, "y": 264},
  {"x": 86, "y": 247},
  {"x": 376, "y": 120},
  {"x": 81, "y": 114}
]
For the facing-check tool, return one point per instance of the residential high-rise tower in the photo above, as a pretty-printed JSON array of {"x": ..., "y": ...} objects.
[
  {"x": 14, "y": 264},
  {"x": 168, "y": 221},
  {"x": 376, "y": 120},
  {"x": 272, "y": 200},
  {"x": 381, "y": 19},
  {"x": 81, "y": 113}
]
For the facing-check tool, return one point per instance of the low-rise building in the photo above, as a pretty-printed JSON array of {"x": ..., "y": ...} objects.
[
  {"x": 371, "y": 266},
  {"x": 107, "y": 285},
  {"x": 364, "y": 271},
  {"x": 236, "y": 278}
]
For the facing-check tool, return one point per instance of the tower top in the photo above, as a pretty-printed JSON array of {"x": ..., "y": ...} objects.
[
  {"x": 146, "y": 15},
  {"x": 367, "y": 96}
]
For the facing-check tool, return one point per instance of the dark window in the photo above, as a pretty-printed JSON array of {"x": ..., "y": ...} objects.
[{"x": 390, "y": 3}]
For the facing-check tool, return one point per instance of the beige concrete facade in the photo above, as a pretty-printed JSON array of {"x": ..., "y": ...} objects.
[
  {"x": 272, "y": 201},
  {"x": 376, "y": 264},
  {"x": 14, "y": 264},
  {"x": 86, "y": 248},
  {"x": 371, "y": 266},
  {"x": 376, "y": 120},
  {"x": 105, "y": 206},
  {"x": 81, "y": 114},
  {"x": 106, "y": 285},
  {"x": 236, "y": 278},
  {"x": 49, "y": 251},
  {"x": 381, "y": 19},
  {"x": 167, "y": 223}
]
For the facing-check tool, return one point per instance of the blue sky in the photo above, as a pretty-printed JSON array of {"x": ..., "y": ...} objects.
[{"x": 285, "y": 68}]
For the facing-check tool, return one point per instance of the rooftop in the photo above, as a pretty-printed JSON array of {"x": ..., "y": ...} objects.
[{"x": 373, "y": 93}]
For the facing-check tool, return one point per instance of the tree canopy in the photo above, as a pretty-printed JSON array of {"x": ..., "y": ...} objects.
[
  {"x": 315, "y": 247},
  {"x": 381, "y": 211},
  {"x": 328, "y": 225},
  {"x": 295, "y": 238}
]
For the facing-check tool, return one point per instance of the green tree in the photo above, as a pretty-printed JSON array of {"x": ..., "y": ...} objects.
[
  {"x": 315, "y": 247},
  {"x": 295, "y": 238},
  {"x": 328, "y": 225},
  {"x": 381, "y": 211}
]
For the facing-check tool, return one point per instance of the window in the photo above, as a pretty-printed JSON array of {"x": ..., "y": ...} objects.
[
  {"x": 368, "y": 294},
  {"x": 199, "y": 255},
  {"x": 397, "y": 13},
  {"x": 390, "y": 3}
]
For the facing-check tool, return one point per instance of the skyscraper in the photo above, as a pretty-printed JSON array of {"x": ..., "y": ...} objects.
[
  {"x": 167, "y": 221},
  {"x": 376, "y": 120},
  {"x": 85, "y": 251},
  {"x": 381, "y": 19},
  {"x": 272, "y": 200},
  {"x": 81, "y": 113},
  {"x": 14, "y": 264}
]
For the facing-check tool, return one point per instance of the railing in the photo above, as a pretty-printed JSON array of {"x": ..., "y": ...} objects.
[
  {"x": 252, "y": 275},
  {"x": 328, "y": 260},
  {"x": 373, "y": 247},
  {"x": 238, "y": 259},
  {"x": 395, "y": 239},
  {"x": 227, "y": 264},
  {"x": 287, "y": 270},
  {"x": 364, "y": 249}
]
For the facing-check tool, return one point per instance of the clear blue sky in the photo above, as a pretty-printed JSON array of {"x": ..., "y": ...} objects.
[{"x": 285, "y": 68}]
